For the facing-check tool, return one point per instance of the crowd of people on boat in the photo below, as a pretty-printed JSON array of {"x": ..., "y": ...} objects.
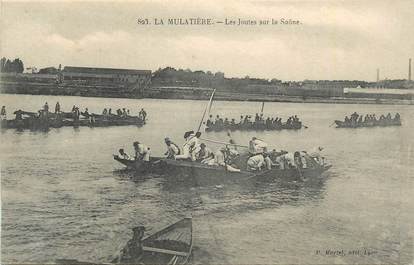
[
  {"x": 122, "y": 113},
  {"x": 257, "y": 158},
  {"x": 75, "y": 113},
  {"x": 356, "y": 119},
  {"x": 247, "y": 122}
]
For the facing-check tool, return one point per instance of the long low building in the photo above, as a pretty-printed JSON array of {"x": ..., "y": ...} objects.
[
  {"x": 107, "y": 75},
  {"x": 372, "y": 92}
]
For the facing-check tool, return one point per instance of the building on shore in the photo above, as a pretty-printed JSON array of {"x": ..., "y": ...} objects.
[
  {"x": 134, "y": 79},
  {"x": 379, "y": 93}
]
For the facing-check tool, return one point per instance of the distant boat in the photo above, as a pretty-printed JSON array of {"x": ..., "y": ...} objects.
[{"x": 378, "y": 123}]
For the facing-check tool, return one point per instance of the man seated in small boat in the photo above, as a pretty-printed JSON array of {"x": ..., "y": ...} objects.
[
  {"x": 133, "y": 250},
  {"x": 104, "y": 112},
  {"x": 123, "y": 155},
  {"x": 142, "y": 152},
  {"x": 172, "y": 149}
]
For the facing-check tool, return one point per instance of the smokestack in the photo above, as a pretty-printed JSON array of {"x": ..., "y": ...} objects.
[
  {"x": 409, "y": 69},
  {"x": 378, "y": 75}
]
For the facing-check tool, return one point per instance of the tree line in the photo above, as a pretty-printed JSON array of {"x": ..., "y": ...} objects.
[{"x": 8, "y": 66}]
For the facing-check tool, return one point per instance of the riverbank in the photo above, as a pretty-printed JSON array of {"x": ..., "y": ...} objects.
[{"x": 32, "y": 88}]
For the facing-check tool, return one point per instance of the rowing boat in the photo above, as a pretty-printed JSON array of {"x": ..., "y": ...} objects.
[
  {"x": 380, "y": 123},
  {"x": 171, "y": 245},
  {"x": 199, "y": 174},
  {"x": 254, "y": 126}
]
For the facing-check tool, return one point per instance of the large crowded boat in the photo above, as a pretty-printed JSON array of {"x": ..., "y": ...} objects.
[
  {"x": 370, "y": 120},
  {"x": 195, "y": 162}
]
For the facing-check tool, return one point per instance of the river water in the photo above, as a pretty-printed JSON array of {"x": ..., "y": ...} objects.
[{"x": 63, "y": 196}]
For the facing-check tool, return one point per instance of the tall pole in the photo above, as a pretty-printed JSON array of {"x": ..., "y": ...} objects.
[
  {"x": 378, "y": 75},
  {"x": 409, "y": 69}
]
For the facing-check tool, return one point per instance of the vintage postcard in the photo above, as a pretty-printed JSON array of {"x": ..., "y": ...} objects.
[{"x": 207, "y": 132}]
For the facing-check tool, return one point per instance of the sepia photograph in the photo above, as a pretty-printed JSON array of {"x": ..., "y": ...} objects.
[{"x": 207, "y": 132}]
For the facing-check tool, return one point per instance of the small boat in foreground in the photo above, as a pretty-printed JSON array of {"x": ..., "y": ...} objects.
[{"x": 171, "y": 245}]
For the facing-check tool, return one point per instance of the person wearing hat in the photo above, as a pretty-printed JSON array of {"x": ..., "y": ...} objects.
[
  {"x": 191, "y": 146},
  {"x": 172, "y": 149},
  {"x": 186, "y": 147},
  {"x": 204, "y": 154},
  {"x": 142, "y": 152}
]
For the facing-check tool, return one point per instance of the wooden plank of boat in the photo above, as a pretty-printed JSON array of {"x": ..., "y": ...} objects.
[{"x": 165, "y": 251}]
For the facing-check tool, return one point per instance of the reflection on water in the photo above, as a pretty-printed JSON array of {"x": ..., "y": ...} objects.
[{"x": 63, "y": 196}]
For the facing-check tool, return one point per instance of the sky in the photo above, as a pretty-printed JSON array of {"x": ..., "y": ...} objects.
[{"x": 335, "y": 40}]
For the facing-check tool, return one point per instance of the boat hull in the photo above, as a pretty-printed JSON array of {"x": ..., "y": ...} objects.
[
  {"x": 197, "y": 174},
  {"x": 342, "y": 124}
]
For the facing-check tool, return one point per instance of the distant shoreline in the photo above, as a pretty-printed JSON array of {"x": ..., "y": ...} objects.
[{"x": 222, "y": 96}]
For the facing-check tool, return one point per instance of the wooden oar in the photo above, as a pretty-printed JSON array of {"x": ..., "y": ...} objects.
[{"x": 220, "y": 142}]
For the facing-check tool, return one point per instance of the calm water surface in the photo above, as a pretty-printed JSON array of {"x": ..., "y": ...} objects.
[{"x": 63, "y": 196}]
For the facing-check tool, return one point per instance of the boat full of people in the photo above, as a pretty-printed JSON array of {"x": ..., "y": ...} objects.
[
  {"x": 45, "y": 119},
  {"x": 369, "y": 120},
  {"x": 198, "y": 164},
  {"x": 247, "y": 123}
]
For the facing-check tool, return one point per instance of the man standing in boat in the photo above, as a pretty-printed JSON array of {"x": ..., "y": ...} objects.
[
  {"x": 143, "y": 114},
  {"x": 142, "y": 152},
  {"x": 3, "y": 114},
  {"x": 57, "y": 108}
]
